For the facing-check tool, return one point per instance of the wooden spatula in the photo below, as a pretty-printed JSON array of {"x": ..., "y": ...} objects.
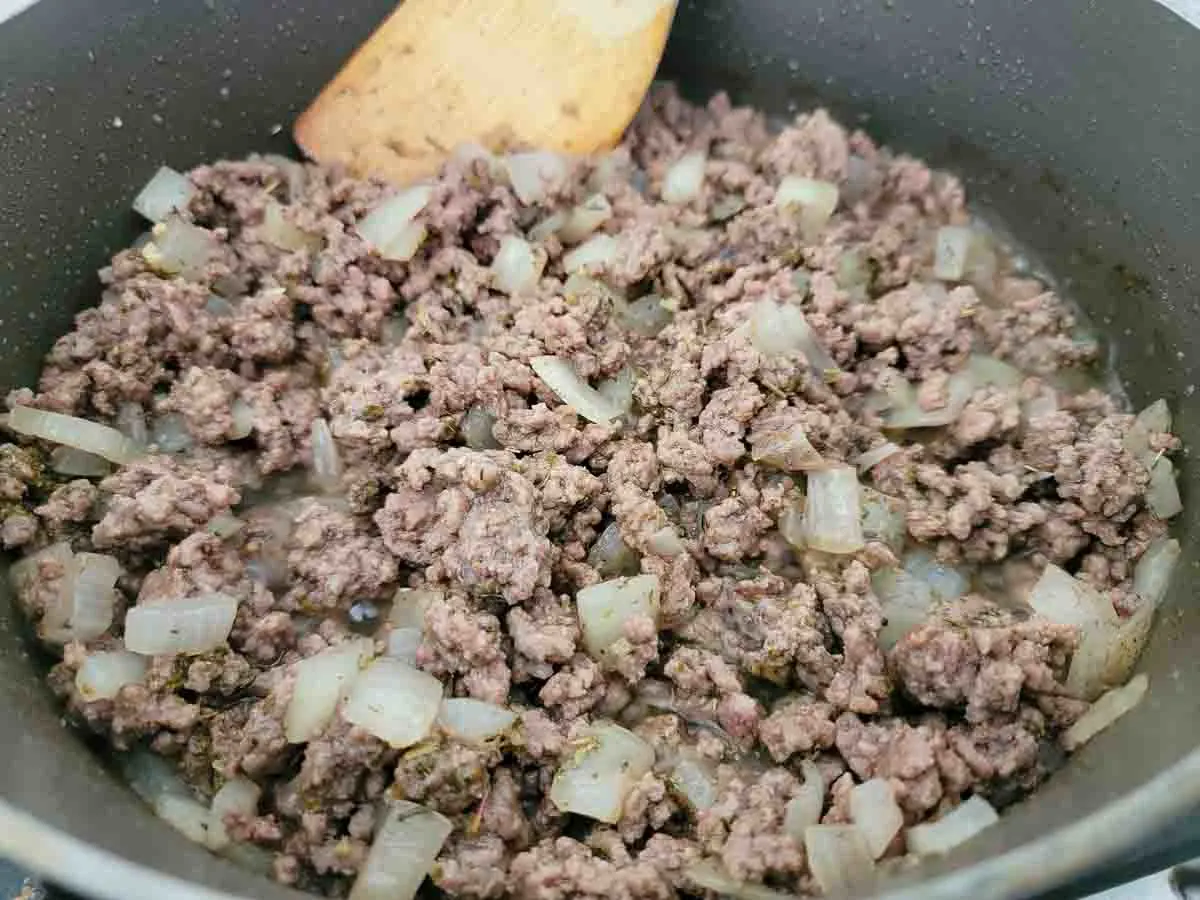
[{"x": 564, "y": 75}]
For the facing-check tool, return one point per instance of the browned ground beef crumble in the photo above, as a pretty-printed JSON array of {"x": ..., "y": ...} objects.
[{"x": 764, "y": 656}]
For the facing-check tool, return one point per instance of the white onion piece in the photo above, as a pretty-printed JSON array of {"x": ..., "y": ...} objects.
[
  {"x": 279, "y": 231},
  {"x": 93, "y": 596},
  {"x": 322, "y": 682},
  {"x": 611, "y": 556},
  {"x": 180, "y": 248},
  {"x": 604, "y": 609},
  {"x": 403, "y": 644},
  {"x": 188, "y": 625},
  {"x": 1156, "y": 418},
  {"x": 403, "y": 853},
  {"x": 170, "y": 434},
  {"x": 838, "y": 856},
  {"x": 243, "y": 420},
  {"x": 188, "y": 816},
  {"x": 477, "y": 427},
  {"x": 224, "y": 525},
  {"x": 395, "y": 702},
  {"x": 409, "y": 606},
  {"x": 987, "y": 370},
  {"x": 78, "y": 463},
  {"x": 906, "y": 602},
  {"x": 1162, "y": 495},
  {"x": 25, "y": 573},
  {"x": 1108, "y": 653},
  {"x": 535, "y": 175},
  {"x": 945, "y": 581},
  {"x": 549, "y": 226},
  {"x": 812, "y": 200},
  {"x": 665, "y": 542},
  {"x": 873, "y": 808},
  {"x": 517, "y": 266},
  {"x": 785, "y": 448},
  {"x": 950, "y": 255},
  {"x": 804, "y": 810},
  {"x": 956, "y": 827},
  {"x": 883, "y": 519},
  {"x": 1105, "y": 711},
  {"x": 237, "y": 796},
  {"x": 1152, "y": 575},
  {"x": 618, "y": 390},
  {"x": 564, "y": 381},
  {"x": 646, "y": 316},
  {"x": 156, "y": 782},
  {"x": 711, "y": 877},
  {"x": 598, "y": 252},
  {"x": 833, "y": 511},
  {"x": 105, "y": 672},
  {"x": 692, "y": 777},
  {"x": 873, "y": 457},
  {"x": 604, "y": 764},
  {"x": 780, "y": 329},
  {"x": 791, "y": 525},
  {"x": 72, "y": 431},
  {"x": 131, "y": 422},
  {"x": 391, "y": 229},
  {"x": 326, "y": 461},
  {"x": 166, "y": 192},
  {"x": 1068, "y": 601},
  {"x": 685, "y": 178},
  {"x": 905, "y": 412},
  {"x": 585, "y": 218},
  {"x": 474, "y": 721}
]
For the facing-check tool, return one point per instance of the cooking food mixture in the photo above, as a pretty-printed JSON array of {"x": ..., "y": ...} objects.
[{"x": 727, "y": 512}]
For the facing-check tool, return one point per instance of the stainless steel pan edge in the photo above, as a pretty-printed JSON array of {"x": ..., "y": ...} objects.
[{"x": 1077, "y": 122}]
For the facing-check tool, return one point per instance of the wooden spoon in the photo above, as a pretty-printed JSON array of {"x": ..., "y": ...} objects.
[{"x": 565, "y": 75}]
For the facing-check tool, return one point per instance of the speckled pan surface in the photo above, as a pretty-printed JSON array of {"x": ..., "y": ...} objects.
[{"x": 1076, "y": 122}]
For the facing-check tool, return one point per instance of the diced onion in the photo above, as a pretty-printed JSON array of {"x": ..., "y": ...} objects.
[
  {"x": 188, "y": 816},
  {"x": 598, "y": 252},
  {"x": 1154, "y": 419},
  {"x": 391, "y": 229},
  {"x": 883, "y": 519},
  {"x": 833, "y": 511},
  {"x": 1162, "y": 495},
  {"x": 224, "y": 525},
  {"x": 945, "y": 581},
  {"x": 604, "y": 609},
  {"x": 814, "y": 201},
  {"x": 166, "y": 192},
  {"x": 1107, "y": 654},
  {"x": 692, "y": 778},
  {"x": 188, "y": 625},
  {"x": 604, "y": 764},
  {"x": 646, "y": 316},
  {"x": 904, "y": 411},
  {"x": 838, "y": 856},
  {"x": 403, "y": 853},
  {"x": 853, "y": 269},
  {"x": 685, "y": 178},
  {"x": 474, "y": 721},
  {"x": 26, "y": 572},
  {"x": 618, "y": 390},
  {"x": 72, "y": 431},
  {"x": 950, "y": 256},
  {"x": 105, "y": 672},
  {"x": 326, "y": 461},
  {"x": 403, "y": 644},
  {"x": 711, "y": 877},
  {"x": 409, "y": 606},
  {"x": 780, "y": 329},
  {"x": 180, "y": 248},
  {"x": 517, "y": 266},
  {"x": 243, "y": 420},
  {"x": 322, "y": 682},
  {"x": 131, "y": 422},
  {"x": 1152, "y": 575},
  {"x": 280, "y": 232},
  {"x": 77, "y": 463},
  {"x": 905, "y": 602},
  {"x": 873, "y": 457},
  {"x": 549, "y": 226},
  {"x": 804, "y": 810},
  {"x": 611, "y": 556},
  {"x": 156, "y": 782},
  {"x": 956, "y": 827},
  {"x": 1106, "y": 710},
  {"x": 564, "y": 381},
  {"x": 665, "y": 542},
  {"x": 873, "y": 808},
  {"x": 93, "y": 595},
  {"x": 791, "y": 525},
  {"x": 987, "y": 370},
  {"x": 395, "y": 702},
  {"x": 170, "y": 434},
  {"x": 585, "y": 218},
  {"x": 477, "y": 427},
  {"x": 785, "y": 448},
  {"x": 1068, "y": 601},
  {"x": 535, "y": 175},
  {"x": 237, "y": 796}
]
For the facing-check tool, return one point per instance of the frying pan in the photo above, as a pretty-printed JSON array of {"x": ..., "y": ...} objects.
[{"x": 1076, "y": 123}]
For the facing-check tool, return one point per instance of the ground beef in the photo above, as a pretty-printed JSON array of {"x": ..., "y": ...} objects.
[{"x": 461, "y": 477}]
